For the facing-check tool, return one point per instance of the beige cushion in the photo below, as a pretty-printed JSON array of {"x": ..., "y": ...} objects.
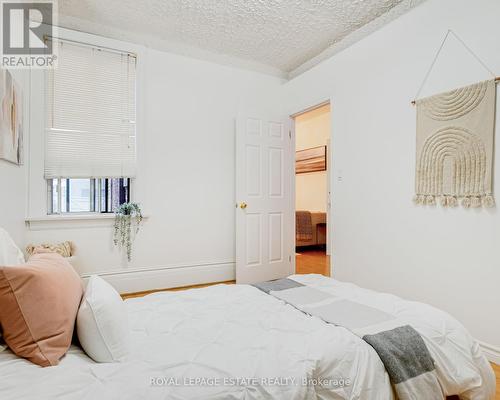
[
  {"x": 38, "y": 306},
  {"x": 66, "y": 249}
]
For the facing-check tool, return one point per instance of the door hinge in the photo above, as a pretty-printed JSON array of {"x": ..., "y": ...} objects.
[{"x": 290, "y": 134}]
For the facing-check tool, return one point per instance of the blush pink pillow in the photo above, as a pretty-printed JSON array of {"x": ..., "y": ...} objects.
[{"x": 39, "y": 302}]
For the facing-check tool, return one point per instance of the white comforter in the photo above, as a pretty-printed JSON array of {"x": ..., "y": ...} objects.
[{"x": 235, "y": 342}]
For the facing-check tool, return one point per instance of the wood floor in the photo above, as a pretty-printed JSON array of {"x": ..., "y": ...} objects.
[
  {"x": 312, "y": 261},
  {"x": 496, "y": 368},
  {"x": 146, "y": 292}
]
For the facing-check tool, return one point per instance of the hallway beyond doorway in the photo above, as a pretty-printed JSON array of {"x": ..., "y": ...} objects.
[{"x": 312, "y": 261}]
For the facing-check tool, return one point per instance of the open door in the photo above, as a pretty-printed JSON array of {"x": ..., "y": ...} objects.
[
  {"x": 328, "y": 198},
  {"x": 265, "y": 222}
]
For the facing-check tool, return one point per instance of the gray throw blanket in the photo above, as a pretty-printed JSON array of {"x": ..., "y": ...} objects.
[
  {"x": 400, "y": 347},
  {"x": 303, "y": 226}
]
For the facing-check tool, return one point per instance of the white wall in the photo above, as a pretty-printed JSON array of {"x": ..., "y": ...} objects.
[
  {"x": 185, "y": 181},
  {"x": 449, "y": 258},
  {"x": 312, "y": 129},
  {"x": 13, "y": 177},
  {"x": 311, "y": 191},
  {"x": 12, "y": 200}
]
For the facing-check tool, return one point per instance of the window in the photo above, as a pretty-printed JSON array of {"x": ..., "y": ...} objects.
[
  {"x": 90, "y": 134},
  {"x": 87, "y": 195}
]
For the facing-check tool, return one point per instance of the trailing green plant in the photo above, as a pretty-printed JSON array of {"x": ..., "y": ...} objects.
[{"x": 128, "y": 218}]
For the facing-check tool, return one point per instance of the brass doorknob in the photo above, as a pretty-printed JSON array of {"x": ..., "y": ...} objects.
[{"x": 243, "y": 205}]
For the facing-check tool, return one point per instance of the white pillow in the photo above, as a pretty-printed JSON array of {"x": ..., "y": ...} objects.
[
  {"x": 9, "y": 253},
  {"x": 102, "y": 323}
]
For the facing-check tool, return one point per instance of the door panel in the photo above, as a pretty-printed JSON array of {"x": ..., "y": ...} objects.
[
  {"x": 276, "y": 237},
  {"x": 276, "y": 172},
  {"x": 253, "y": 171},
  {"x": 264, "y": 213},
  {"x": 276, "y": 130},
  {"x": 253, "y": 239}
]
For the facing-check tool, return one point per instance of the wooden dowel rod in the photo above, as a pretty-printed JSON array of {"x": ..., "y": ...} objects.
[{"x": 497, "y": 79}]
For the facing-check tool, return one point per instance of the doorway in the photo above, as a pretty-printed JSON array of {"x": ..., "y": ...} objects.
[{"x": 312, "y": 190}]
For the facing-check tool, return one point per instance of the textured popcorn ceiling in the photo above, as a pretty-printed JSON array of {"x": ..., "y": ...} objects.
[{"x": 280, "y": 36}]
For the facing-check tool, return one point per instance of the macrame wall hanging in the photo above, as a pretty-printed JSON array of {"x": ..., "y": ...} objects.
[{"x": 455, "y": 132}]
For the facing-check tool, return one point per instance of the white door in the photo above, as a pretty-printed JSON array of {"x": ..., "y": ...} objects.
[{"x": 265, "y": 220}]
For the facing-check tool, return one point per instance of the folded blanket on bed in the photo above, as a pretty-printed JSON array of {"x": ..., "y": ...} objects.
[
  {"x": 303, "y": 226},
  {"x": 400, "y": 347}
]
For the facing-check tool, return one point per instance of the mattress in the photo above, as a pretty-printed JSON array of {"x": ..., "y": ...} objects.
[{"x": 236, "y": 342}]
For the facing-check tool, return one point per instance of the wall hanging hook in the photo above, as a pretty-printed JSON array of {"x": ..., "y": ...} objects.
[{"x": 448, "y": 33}]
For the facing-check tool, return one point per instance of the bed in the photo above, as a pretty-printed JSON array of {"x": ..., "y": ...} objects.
[{"x": 237, "y": 342}]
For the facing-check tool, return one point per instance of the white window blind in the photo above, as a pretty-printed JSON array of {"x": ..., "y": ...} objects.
[{"x": 91, "y": 109}]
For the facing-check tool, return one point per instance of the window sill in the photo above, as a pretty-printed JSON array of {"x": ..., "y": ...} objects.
[
  {"x": 70, "y": 217},
  {"x": 71, "y": 221}
]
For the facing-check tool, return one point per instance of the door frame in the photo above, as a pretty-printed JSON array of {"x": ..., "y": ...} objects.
[{"x": 329, "y": 164}]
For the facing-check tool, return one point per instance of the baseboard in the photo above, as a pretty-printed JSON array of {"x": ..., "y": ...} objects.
[
  {"x": 165, "y": 278},
  {"x": 491, "y": 352}
]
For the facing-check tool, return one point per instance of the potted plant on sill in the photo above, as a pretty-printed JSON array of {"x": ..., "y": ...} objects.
[{"x": 128, "y": 218}]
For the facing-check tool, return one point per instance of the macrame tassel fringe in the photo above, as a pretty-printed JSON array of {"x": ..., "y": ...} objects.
[
  {"x": 419, "y": 199},
  {"x": 475, "y": 202},
  {"x": 452, "y": 201},
  {"x": 488, "y": 201},
  {"x": 448, "y": 201},
  {"x": 430, "y": 200}
]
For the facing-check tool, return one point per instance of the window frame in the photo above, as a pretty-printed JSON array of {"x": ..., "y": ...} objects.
[
  {"x": 36, "y": 203},
  {"x": 98, "y": 204},
  {"x": 96, "y": 198}
]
